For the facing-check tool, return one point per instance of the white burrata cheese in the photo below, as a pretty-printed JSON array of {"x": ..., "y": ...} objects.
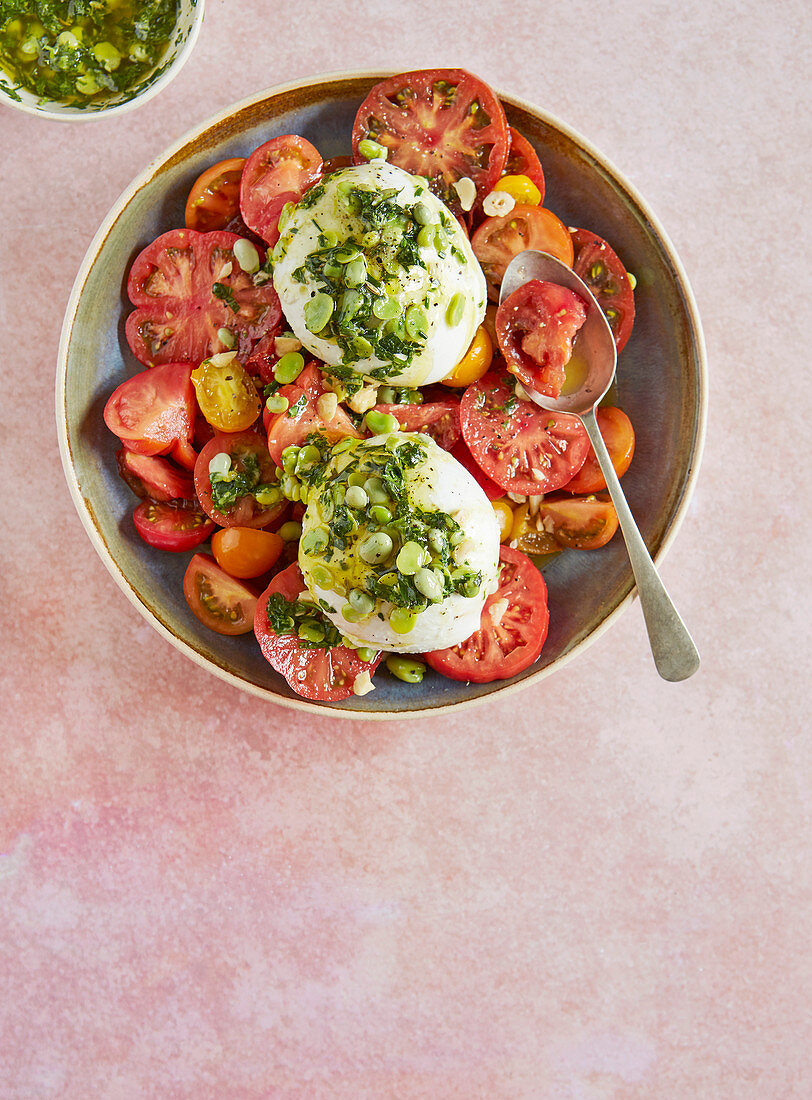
[
  {"x": 448, "y": 272},
  {"x": 438, "y": 484}
]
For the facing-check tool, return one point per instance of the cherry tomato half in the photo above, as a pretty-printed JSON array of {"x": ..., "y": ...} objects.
[
  {"x": 171, "y": 525},
  {"x": 278, "y": 172},
  {"x": 618, "y": 435},
  {"x": 246, "y": 552},
  {"x": 219, "y": 601},
  {"x": 153, "y": 477},
  {"x": 565, "y": 522},
  {"x": 607, "y": 278},
  {"x": 474, "y": 363},
  {"x": 535, "y": 326},
  {"x": 499, "y": 239},
  {"x": 226, "y": 395},
  {"x": 291, "y": 428},
  {"x": 215, "y": 196},
  {"x": 252, "y": 467}
]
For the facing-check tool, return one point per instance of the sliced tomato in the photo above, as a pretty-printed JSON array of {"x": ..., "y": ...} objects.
[
  {"x": 512, "y": 628},
  {"x": 570, "y": 523},
  {"x": 618, "y": 435},
  {"x": 326, "y": 674},
  {"x": 150, "y": 476},
  {"x": 215, "y": 196},
  {"x": 247, "y": 451},
  {"x": 175, "y": 283},
  {"x": 501, "y": 238},
  {"x": 219, "y": 601},
  {"x": 598, "y": 265},
  {"x": 444, "y": 124},
  {"x": 521, "y": 447},
  {"x": 278, "y": 172},
  {"x": 171, "y": 525},
  {"x": 302, "y": 417},
  {"x": 535, "y": 326},
  {"x": 465, "y": 458},
  {"x": 523, "y": 160},
  {"x": 154, "y": 411},
  {"x": 439, "y": 419}
]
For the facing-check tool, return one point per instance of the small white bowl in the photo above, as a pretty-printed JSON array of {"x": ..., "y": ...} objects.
[{"x": 187, "y": 28}]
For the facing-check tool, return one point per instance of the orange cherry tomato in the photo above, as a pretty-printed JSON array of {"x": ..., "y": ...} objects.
[
  {"x": 504, "y": 516},
  {"x": 215, "y": 196},
  {"x": 618, "y": 435},
  {"x": 246, "y": 552},
  {"x": 474, "y": 363}
]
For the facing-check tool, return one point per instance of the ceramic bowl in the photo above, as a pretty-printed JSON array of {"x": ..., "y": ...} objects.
[
  {"x": 187, "y": 28},
  {"x": 661, "y": 382}
]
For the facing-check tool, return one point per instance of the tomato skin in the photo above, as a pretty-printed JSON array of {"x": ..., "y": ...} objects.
[
  {"x": 285, "y": 430},
  {"x": 246, "y": 511},
  {"x": 278, "y": 172},
  {"x": 489, "y": 487},
  {"x": 153, "y": 477},
  {"x": 222, "y": 603},
  {"x": 521, "y": 447},
  {"x": 513, "y": 627},
  {"x": 177, "y": 315},
  {"x": 214, "y": 198},
  {"x": 523, "y": 160},
  {"x": 603, "y": 272},
  {"x": 439, "y": 419},
  {"x": 432, "y": 133},
  {"x": 618, "y": 435},
  {"x": 153, "y": 412},
  {"x": 171, "y": 525},
  {"x": 324, "y": 674},
  {"x": 501, "y": 238},
  {"x": 474, "y": 363},
  {"x": 246, "y": 552},
  {"x": 535, "y": 326}
]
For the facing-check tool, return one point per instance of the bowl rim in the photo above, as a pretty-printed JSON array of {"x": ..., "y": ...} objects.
[
  {"x": 86, "y": 514},
  {"x": 55, "y": 111}
]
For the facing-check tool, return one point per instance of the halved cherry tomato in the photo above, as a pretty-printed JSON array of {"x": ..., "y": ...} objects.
[
  {"x": 444, "y": 124},
  {"x": 154, "y": 477},
  {"x": 571, "y": 523},
  {"x": 499, "y": 239},
  {"x": 171, "y": 525},
  {"x": 175, "y": 283},
  {"x": 606, "y": 277},
  {"x": 326, "y": 674},
  {"x": 521, "y": 447},
  {"x": 278, "y": 172},
  {"x": 226, "y": 395},
  {"x": 523, "y": 160},
  {"x": 215, "y": 196},
  {"x": 154, "y": 411},
  {"x": 291, "y": 428},
  {"x": 512, "y": 628},
  {"x": 462, "y": 454},
  {"x": 219, "y": 601},
  {"x": 335, "y": 164},
  {"x": 536, "y": 325},
  {"x": 439, "y": 419},
  {"x": 504, "y": 515},
  {"x": 246, "y": 552},
  {"x": 251, "y": 462},
  {"x": 618, "y": 435},
  {"x": 474, "y": 363}
]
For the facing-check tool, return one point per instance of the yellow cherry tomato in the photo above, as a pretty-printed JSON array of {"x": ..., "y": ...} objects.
[
  {"x": 474, "y": 363},
  {"x": 504, "y": 514},
  {"x": 245, "y": 551},
  {"x": 521, "y": 188},
  {"x": 226, "y": 395}
]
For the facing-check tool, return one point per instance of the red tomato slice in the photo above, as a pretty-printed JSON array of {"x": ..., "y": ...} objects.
[
  {"x": 171, "y": 525},
  {"x": 491, "y": 490},
  {"x": 535, "y": 326},
  {"x": 512, "y": 628},
  {"x": 608, "y": 280},
  {"x": 150, "y": 476},
  {"x": 326, "y": 674},
  {"x": 219, "y": 601},
  {"x": 499, "y": 239},
  {"x": 174, "y": 283},
  {"x": 335, "y": 164},
  {"x": 444, "y": 124},
  {"x": 245, "y": 511},
  {"x": 215, "y": 196},
  {"x": 521, "y": 447},
  {"x": 523, "y": 160},
  {"x": 278, "y": 172},
  {"x": 618, "y": 435},
  {"x": 439, "y": 419},
  {"x": 291, "y": 428},
  {"x": 154, "y": 411}
]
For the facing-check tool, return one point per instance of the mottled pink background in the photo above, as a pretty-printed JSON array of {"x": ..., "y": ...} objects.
[{"x": 597, "y": 889}]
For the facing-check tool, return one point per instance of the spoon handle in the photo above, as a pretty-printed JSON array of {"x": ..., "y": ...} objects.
[{"x": 672, "y": 647}]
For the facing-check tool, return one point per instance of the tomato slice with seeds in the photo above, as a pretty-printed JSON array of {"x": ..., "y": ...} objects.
[
  {"x": 215, "y": 196},
  {"x": 535, "y": 326},
  {"x": 523, "y": 160},
  {"x": 444, "y": 124},
  {"x": 170, "y": 525},
  {"x": 222, "y": 603},
  {"x": 521, "y": 447},
  {"x": 252, "y": 467},
  {"x": 302, "y": 417},
  {"x": 512, "y": 630},
  {"x": 325, "y": 674},
  {"x": 603, "y": 272},
  {"x": 154, "y": 477},
  {"x": 153, "y": 412},
  {"x": 186, "y": 287},
  {"x": 439, "y": 419},
  {"x": 501, "y": 238},
  {"x": 278, "y": 172}
]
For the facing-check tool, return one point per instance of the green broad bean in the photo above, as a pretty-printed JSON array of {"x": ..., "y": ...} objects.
[{"x": 405, "y": 668}]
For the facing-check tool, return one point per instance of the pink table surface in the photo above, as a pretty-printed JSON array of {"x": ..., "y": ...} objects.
[{"x": 596, "y": 889}]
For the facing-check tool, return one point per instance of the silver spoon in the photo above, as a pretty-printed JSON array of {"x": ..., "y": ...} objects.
[{"x": 675, "y": 654}]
